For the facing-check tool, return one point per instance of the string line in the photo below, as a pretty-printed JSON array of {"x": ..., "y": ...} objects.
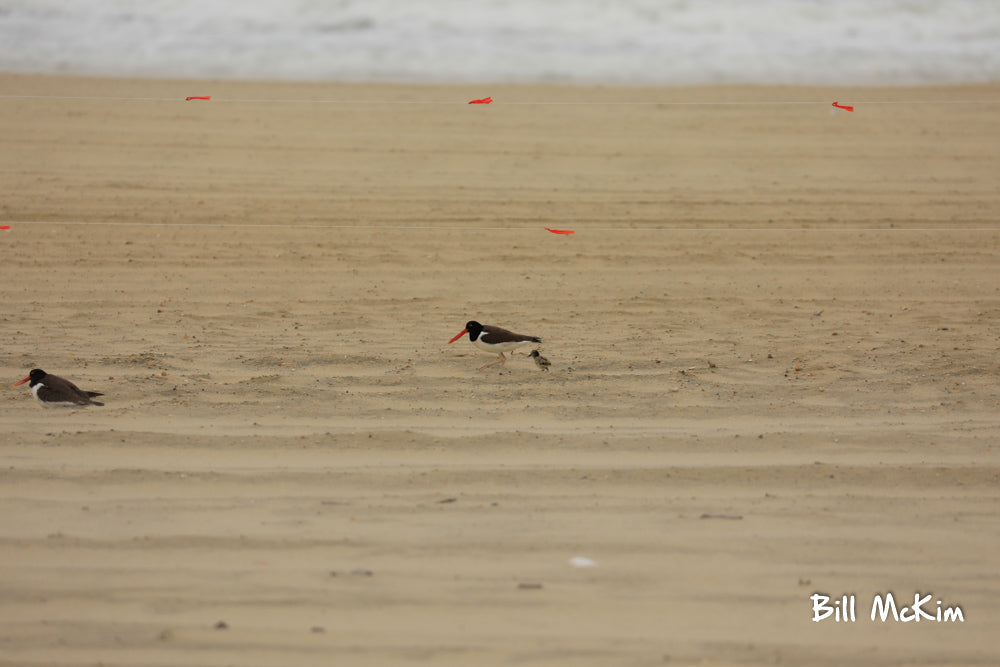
[
  {"x": 495, "y": 102},
  {"x": 465, "y": 228}
]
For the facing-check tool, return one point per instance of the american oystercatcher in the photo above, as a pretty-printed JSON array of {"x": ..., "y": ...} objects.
[
  {"x": 540, "y": 361},
  {"x": 52, "y": 390},
  {"x": 494, "y": 340}
]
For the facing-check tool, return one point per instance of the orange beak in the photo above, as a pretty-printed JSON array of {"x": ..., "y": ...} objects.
[
  {"x": 20, "y": 382},
  {"x": 460, "y": 334}
]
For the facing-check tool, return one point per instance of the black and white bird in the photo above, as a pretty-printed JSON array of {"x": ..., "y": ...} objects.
[
  {"x": 54, "y": 391},
  {"x": 540, "y": 361},
  {"x": 494, "y": 340}
]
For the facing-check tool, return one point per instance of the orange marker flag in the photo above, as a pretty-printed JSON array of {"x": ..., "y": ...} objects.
[
  {"x": 841, "y": 106},
  {"x": 485, "y": 100},
  {"x": 560, "y": 231}
]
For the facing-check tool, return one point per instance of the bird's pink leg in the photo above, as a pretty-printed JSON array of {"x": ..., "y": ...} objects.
[{"x": 502, "y": 361}]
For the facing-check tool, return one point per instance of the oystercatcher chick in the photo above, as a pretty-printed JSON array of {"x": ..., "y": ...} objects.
[
  {"x": 54, "y": 391},
  {"x": 540, "y": 361},
  {"x": 494, "y": 340}
]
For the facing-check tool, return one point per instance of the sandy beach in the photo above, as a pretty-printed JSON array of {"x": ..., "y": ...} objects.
[{"x": 774, "y": 344}]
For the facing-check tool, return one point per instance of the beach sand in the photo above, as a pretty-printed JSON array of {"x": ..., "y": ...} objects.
[{"x": 774, "y": 358}]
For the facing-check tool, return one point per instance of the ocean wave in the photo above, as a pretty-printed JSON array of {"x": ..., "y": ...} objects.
[{"x": 664, "y": 42}]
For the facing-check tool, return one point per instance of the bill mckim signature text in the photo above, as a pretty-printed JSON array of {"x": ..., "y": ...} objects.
[{"x": 885, "y": 608}]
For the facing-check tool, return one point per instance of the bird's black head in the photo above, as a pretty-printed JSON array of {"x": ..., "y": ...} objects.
[
  {"x": 34, "y": 377},
  {"x": 474, "y": 328}
]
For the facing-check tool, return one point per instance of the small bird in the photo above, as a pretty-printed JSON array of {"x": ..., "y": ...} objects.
[
  {"x": 494, "y": 340},
  {"x": 52, "y": 390},
  {"x": 541, "y": 361}
]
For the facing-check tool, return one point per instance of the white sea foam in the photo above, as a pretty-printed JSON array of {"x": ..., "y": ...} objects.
[{"x": 825, "y": 42}]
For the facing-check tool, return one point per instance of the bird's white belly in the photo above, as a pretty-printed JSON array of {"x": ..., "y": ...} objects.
[{"x": 499, "y": 348}]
